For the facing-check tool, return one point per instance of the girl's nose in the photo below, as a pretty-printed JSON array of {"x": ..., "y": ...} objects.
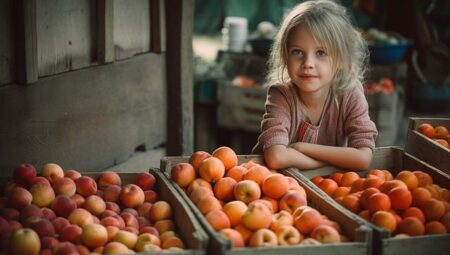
[{"x": 308, "y": 62}]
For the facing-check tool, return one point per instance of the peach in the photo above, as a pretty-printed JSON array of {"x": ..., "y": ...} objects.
[
  {"x": 435, "y": 228},
  {"x": 234, "y": 211},
  {"x": 59, "y": 223},
  {"x": 218, "y": 220},
  {"x": 80, "y": 217},
  {"x": 433, "y": 209},
  {"x": 409, "y": 178},
  {"x": 245, "y": 232},
  {"x": 64, "y": 186},
  {"x": 163, "y": 226},
  {"x": 411, "y": 226},
  {"x": 52, "y": 172},
  {"x": 307, "y": 221},
  {"x": 423, "y": 178},
  {"x": 197, "y": 157},
  {"x": 378, "y": 202},
  {"x": 326, "y": 234},
  {"x": 282, "y": 218},
  {"x": 443, "y": 143},
  {"x": 43, "y": 194},
  {"x": 144, "y": 239},
  {"x": 401, "y": 199},
  {"x": 107, "y": 178},
  {"x": 207, "y": 204},
  {"x": 197, "y": 183},
  {"x": 200, "y": 193},
  {"x": 263, "y": 238},
  {"x": 19, "y": 198},
  {"x": 13, "y": 225},
  {"x": 65, "y": 248},
  {"x": 146, "y": 181},
  {"x": 25, "y": 241},
  {"x": 112, "y": 207},
  {"x": 94, "y": 235},
  {"x": 71, "y": 233},
  {"x": 247, "y": 191},
  {"x": 130, "y": 220},
  {"x": 150, "y": 230},
  {"x": 43, "y": 228},
  {"x": 131, "y": 196},
  {"x": 112, "y": 231},
  {"x": 274, "y": 202},
  {"x": 14, "y": 214},
  {"x": 267, "y": 203},
  {"x": 127, "y": 238},
  {"x": 234, "y": 236},
  {"x": 112, "y": 221},
  {"x": 95, "y": 205},
  {"x": 257, "y": 174},
  {"x": 257, "y": 216},
  {"x": 116, "y": 248},
  {"x": 440, "y": 132},
  {"x": 150, "y": 196},
  {"x": 39, "y": 179},
  {"x": 172, "y": 242},
  {"x": 237, "y": 173},
  {"x": 24, "y": 173},
  {"x": 224, "y": 187},
  {"x": 182, "y": 174},
  {"x": 328, "y": 186},
  {"x": 111, "y": 193},
  {"x": 78, "y": 199},
  {"x": 275, "y": 185},
  {"x": 288, "y": 235},
  {"x": 86, "y": 186},
  {"x": 63, "y": 206},
  {"x": 166, "y": 235},
  {"x": 291, "y": 201},
  {"x": 48, "y": 214},
  {"x": 227, "y": 156},
  {"x": 83, "y": 250},
  {"x": 348, "y": 178},
  {"x": 144, "y": 209},
  {"x": 160, "y": 210},
  {"x": 72, "y": 174},
  {"x": 48, "y": 242},
  {"x": 211, "y": 169},
  {"x": 426, "y": 129}
]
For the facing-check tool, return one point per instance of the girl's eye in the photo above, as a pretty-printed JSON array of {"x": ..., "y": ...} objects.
[
  {"x": 321, "y": 53},
  {"x": 296, "y": 52}
]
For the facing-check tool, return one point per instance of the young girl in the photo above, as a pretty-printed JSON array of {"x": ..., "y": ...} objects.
[{"x": 316, "y": 111}]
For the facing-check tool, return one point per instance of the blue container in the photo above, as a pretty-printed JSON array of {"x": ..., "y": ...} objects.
[{"x": 384, "y": 53}]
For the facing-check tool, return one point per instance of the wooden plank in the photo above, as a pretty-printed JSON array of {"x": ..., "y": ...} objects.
[
  {"x": 179, "y": 16},
  {"x": 105, "y": 36},
  {"x": 26, "y": 41},
  {"x": 7, "y": 57},
  {"x": 158, "y": 26},
  {"x": 87, "y": 119},
  {"x": 131, "y": 28},
  {"x": 65, "y": 35}
]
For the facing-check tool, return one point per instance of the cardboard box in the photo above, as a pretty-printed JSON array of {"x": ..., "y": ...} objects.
[
  {"x": 394, "y": 160},
  {"x": 352, "y": 227},
  {"x": 425, "y": 148}
]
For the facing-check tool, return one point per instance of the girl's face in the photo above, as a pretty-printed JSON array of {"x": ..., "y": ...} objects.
[{"x": 308, "y": 64}]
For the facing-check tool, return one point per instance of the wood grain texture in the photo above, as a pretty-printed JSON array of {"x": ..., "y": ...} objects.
[
  {"x": 88, "y": 119},
  {"x": 131, "y": 27},
  {"x": 65, "y": 35},
  {"x": 7, "y": 58}
]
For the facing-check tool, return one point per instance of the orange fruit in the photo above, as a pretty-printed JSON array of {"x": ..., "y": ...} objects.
[
  {"x": 388, "y": 175},
  {"x": 378, "y": 202}
]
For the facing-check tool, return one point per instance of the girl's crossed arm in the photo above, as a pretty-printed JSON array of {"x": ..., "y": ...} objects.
[{"x": 280, "y": 156}]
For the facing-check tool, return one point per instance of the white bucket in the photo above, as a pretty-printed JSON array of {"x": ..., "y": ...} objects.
[{"x": 235, "y": 33}]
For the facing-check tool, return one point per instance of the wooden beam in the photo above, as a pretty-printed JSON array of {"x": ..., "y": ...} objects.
[
  {"x": 26, "y": 41},
  {"x": 179, "y": 18},
  {"x": 105, "y": 32}
]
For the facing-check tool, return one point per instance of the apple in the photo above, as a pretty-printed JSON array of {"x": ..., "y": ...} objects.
[
  {"x": 48, "y": 214},
  {"x": 94, "y": 235},
  {"x": 52, "y": 172},
  {"x": 64, "y": 186},
  {"x": 25, "y": 241},
  {"x": 257, "y": 216},
  {"x": 63, "y": 206},
  {"x": 107, "y": 178},
  {"x": 131, "y": 195},
  {"x": 19, "y": 198},
  {"x": 146, "y": 181},
  {"x": 86, "y": 186},
  {"x": 24, "y": 173},
  {"x": 160, "y": 210},
  {"x": 263, "y": 238},
  {"x": 182, "y": 174},
  {"x": 326, "y": 234},
  {"x": 247, "y": 191},
  {"x": 288, "y": 235},
  {"x": 43, "y": 194}
]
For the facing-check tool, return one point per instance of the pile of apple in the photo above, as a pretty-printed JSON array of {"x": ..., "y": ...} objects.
[
  {"x": 250, "y": 204},
  {"x": 408, "y": 204},
  {"x": 61, "y": 212},
  {"x": 438, "y": 134}
]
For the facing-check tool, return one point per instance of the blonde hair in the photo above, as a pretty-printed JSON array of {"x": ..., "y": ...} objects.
[{"x": 330, "y": 25}]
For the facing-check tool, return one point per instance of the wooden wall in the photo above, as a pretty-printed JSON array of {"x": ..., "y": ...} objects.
[{"x": 84, "y": 83}]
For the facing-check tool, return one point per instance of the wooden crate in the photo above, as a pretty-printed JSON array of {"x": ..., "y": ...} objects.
[
  {"x": 394, "y": 160},
  {"x": 190, "y": 230},
  {"x": 426, "y": 149},
  {"x": 240, "y": 108},
  {"x": 354, "y": 228}
]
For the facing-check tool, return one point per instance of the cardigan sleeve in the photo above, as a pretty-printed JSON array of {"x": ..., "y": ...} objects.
[
  {"x": 276, "y": 121},
  {"x": 360, "y": 130}
]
